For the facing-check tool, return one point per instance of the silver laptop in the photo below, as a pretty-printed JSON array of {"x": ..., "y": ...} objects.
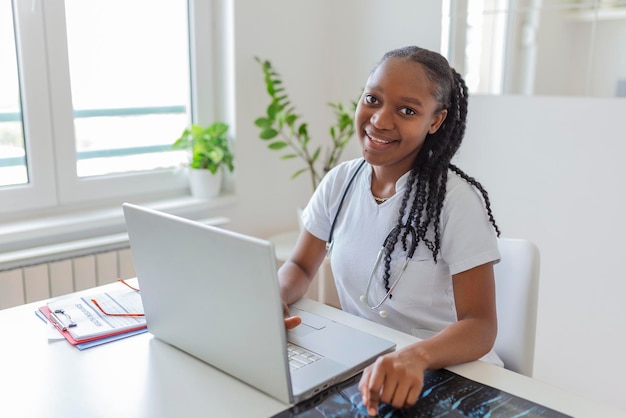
[{"x": 214, "y": 294}]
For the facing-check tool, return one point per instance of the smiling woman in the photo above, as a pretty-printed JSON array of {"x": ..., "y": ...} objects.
[
  {"x": 396, "y": 119},
  {"x": 433, "y": 222}
]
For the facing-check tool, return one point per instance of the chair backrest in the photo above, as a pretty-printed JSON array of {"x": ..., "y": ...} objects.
[{"x": 517, "y": 288}]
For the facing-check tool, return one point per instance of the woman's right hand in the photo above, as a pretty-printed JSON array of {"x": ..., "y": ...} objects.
[
  {"x": 295, "y": 274},
  {"x": 290, "y": 321}
]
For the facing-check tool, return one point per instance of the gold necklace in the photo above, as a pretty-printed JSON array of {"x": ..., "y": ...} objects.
[{"x": 380, "y": 199}]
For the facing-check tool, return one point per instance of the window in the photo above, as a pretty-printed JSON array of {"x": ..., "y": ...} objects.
[
  {"x": 535, "y": 47},
  {"x": 130, "y": 87},
  {"x": 93, "y": 95},
  {"x": 474, "y": 40},
  {"x": 12, "y": 155}
]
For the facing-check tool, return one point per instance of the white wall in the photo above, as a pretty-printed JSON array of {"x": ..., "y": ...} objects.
[
  {"x": 551, "y": 165},
  {"x": 566, "y": 46},
  {"x": 554, "y": 171}
]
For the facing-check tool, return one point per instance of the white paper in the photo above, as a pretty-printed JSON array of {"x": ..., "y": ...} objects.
[{"x": 90, "y": 321}]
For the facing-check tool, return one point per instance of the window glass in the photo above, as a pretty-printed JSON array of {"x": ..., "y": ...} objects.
[
  {"x": 12, "y": 152},
  {"x": 475, "y": 40},
  {"x": 129, "y": 71}
]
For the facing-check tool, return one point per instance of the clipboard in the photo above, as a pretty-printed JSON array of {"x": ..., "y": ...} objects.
[
  {"x": 45, "y": 310},
  {"x": 82, "y": 318}
]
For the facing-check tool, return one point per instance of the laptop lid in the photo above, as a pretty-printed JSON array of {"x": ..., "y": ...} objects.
[
  {"x": 214, "y": 294},
  {"x": 204, "y": 292}
]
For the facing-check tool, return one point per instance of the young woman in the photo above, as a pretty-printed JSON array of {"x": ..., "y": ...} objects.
[{"x": 411, "y": 238}]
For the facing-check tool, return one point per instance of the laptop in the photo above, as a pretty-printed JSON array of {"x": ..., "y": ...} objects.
[{"x": 213, "y": 293}]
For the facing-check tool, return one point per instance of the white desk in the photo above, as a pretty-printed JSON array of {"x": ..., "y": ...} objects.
[{"x": 143, "y": 377}]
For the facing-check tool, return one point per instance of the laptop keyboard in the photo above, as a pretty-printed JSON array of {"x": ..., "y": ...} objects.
[{"x": 300, "y": 357}]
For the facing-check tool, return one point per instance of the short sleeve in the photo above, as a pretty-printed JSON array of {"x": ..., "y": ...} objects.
[{"x": 468, "y": 237}]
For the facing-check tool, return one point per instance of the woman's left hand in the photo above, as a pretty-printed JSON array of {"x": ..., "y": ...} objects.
[{"x": 396, "y": 378}]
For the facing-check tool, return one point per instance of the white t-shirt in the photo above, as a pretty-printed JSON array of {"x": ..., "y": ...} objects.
[{"x": 422, "y": 303}]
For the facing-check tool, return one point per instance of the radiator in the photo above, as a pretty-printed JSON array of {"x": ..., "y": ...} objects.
[
  {"x": 42, "y": 281},
  {"x": 41, "y": 273}
]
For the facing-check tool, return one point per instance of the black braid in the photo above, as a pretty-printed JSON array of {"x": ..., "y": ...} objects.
[
  {"x": 482, "y": 190},
  {"x": 429, "y": 175}
]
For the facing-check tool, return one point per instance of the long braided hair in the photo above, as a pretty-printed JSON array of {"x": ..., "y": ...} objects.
[{"x": 429, "y": 174}]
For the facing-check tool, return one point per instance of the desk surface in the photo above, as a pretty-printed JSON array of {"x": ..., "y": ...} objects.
[{"x": 142, "y": 377}]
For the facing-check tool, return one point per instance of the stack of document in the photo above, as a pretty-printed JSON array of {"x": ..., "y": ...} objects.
[{"x": 91, "y": 317}]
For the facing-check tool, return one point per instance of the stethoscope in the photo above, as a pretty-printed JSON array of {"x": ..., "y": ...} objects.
[{"x": 411, "y": 250}]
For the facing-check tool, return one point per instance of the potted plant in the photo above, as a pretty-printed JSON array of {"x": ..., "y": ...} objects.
[
  {"x": 282, "y": 129},
  {"x": 210, "y": 154}
]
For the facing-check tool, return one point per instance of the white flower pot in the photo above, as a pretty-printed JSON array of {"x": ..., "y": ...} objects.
[{"x": 205, "y": 184}]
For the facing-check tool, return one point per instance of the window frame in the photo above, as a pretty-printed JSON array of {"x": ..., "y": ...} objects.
[
  {"x": 37, "y": 124},
  {"x": 48, "y": 117}
]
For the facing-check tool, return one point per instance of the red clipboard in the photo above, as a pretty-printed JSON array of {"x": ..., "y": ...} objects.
[{"x": 46, "y": 312}]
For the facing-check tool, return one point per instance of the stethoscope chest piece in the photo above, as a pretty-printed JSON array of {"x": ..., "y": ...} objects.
[{"x": 382, "y": 314}]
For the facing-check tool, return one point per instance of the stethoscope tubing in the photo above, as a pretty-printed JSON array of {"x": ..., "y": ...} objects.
[
  {"x": 411, "y": 251},
  {"x": 329, "y": 241},
  {"x": 395, "y": 283}
]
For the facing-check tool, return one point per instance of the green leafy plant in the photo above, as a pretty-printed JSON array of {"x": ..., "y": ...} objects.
[
  {"x": 284, "y": 131},
  {"x": 208, "y": 145}
]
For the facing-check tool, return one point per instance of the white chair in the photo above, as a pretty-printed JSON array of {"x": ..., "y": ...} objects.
[{"x": 517, "y": 286}]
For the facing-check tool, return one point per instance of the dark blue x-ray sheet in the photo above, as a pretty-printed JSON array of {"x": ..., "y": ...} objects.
[{"x": 445, "y": 394}]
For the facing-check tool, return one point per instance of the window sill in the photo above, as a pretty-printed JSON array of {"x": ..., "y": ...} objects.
[{"x": 37, "y": 232}]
